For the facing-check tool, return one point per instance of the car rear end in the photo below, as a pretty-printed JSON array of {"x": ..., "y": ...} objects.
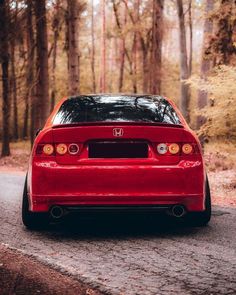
[{"x": 94, "y": 155}]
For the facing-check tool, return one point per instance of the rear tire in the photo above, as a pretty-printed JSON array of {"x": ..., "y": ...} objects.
[
  {"x": 31, "y": 220},
  {"x": 202, "y": 218}
]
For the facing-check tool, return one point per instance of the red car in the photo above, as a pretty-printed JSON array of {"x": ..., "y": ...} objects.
[{"x": 116, "y": 152}]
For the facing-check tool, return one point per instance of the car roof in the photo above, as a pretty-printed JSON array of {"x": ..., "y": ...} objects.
[{"x": 116, "y": 95}]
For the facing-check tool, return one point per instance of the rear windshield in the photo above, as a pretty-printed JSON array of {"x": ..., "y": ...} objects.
[{"x": 83, "y": 109}]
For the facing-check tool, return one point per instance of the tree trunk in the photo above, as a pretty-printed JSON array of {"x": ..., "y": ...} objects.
[
  {"x": 206, "y": 63},
  {"x": 122, "y": 49},
  {"x": 42, "y": 87},
  {"x": 103, "y": 49},
  {"x": 26, "y": 118},
  {"x": 56, "y": 28},
  {"x": 144, "y": 46},
  {"x": 4, "y": 59},
  {"x": 145, "y": 69},
  {"x": 30, "y": 76},
  {"x": 73, "y": 46},
  {"x": 224, "y": 44},
  {"x": 190, "y": 61},
  {"x": 13, "y": 79},
  {"x": 156, "y": 49},
  {"x": 119, "y": 26},
  {"x": 184, "y": 70},
  {"x": 54, "y": 59},
  {"x": 14, "y": 90},
  {"x": 135, "y": 46},
  {"x": 122, "y": 64},
  {"x": 111, "y": 55},
  {"x": 93, "y": 48}
]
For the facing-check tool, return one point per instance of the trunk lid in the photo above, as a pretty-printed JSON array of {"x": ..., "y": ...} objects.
[{"x": 143, "y": 138}]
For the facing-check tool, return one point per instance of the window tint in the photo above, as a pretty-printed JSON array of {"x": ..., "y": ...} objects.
[{"x": 116, "y": 109}]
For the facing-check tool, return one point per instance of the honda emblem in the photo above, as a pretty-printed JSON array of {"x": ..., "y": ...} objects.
[{"x": 118, "y": 132}]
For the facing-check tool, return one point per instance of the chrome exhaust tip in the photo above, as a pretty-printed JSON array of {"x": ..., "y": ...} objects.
[
  {"x": 178, "y": 211},
  {"x": 57, "y": 212}
]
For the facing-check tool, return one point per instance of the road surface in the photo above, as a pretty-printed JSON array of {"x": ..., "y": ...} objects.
[{"x": 129, "y": 258}]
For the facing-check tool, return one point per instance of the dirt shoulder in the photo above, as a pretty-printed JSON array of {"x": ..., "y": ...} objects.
[
  {"x": 223, "y": 187},
  {"x": 20, "y": 274},
  {"x": 19, "y": 158}
]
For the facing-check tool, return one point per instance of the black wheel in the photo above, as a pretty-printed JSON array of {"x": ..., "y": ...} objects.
[
  {"x": 202, "y": 218},
  {"x": 31, "y": 220}
]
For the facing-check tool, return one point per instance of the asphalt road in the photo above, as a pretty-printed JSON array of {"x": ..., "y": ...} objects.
[{"x": 129, "y": 256}]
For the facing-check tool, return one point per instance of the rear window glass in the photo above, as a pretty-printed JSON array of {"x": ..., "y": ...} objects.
[{"x": 84, "y": 109}]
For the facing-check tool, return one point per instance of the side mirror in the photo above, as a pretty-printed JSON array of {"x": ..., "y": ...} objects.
[{"x": 38, "y": 131}]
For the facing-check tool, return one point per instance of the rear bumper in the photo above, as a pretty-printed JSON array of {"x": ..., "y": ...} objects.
[
  {"x": 117, "y": 209},
  {"x": 117, "y": 185}
]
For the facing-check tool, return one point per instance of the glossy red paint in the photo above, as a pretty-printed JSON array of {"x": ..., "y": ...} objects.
[{"x": 74, "y": 180}]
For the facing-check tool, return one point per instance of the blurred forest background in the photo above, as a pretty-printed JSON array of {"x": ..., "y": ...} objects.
[{"x": 182, "y": 49}]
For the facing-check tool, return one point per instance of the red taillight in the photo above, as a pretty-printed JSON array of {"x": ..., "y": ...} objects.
[
  {"x": 176, "y": 148},
  {"x": 45, "y": 149},
  {"x": 162, "y": 148},
  {"x": 48, "y": 149},
  {"x": 61, "y": 149},
  {"x": 187, "y": 148},
  {"x": 168, "y": 148},
  {"x": 73, "y": 149}
]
